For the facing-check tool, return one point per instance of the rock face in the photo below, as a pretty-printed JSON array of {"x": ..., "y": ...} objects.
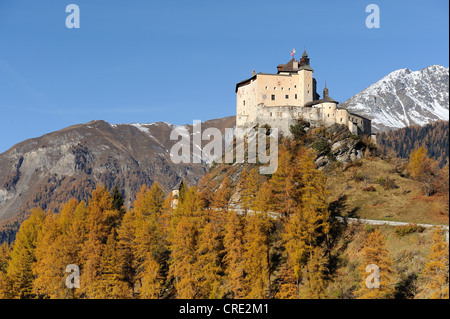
[
  {"x": 342, "y": 146},
  {"x": 404, "y": 98},
  {"x": 53, "y": 168}
]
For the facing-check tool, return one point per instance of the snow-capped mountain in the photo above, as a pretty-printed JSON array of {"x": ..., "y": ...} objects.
[{"x": 403, "y": 98}]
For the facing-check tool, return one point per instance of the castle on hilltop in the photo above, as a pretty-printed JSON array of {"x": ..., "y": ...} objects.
[{"x": 282, "y": 99}]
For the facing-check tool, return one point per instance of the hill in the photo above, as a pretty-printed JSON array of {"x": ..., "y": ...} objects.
[{"x": 433, "y": 136}]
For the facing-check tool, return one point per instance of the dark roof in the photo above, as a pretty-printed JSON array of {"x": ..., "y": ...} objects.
[
  {"x": 245, "y": 81},
  {"x": 357, "y": 115},
  {"x": 177, "y": 187},
  {"x": 326, "y": 99},
  {"x": 288, "y": 67}
]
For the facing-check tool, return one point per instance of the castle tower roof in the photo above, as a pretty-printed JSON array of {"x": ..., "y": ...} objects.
[
  {"x": 304, "y": 62},
  {"x": 326, "y": 95},
  {"x": 291, "y": 66}
]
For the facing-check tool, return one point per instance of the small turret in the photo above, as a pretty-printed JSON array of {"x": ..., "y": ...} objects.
[
  {"x": 304, "y": 62},
  {"x": 326, "y": 95},
  {"x": 325, "y": 92}
]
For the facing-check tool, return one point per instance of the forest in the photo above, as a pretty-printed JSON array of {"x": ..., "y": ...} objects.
[
  {"x": 283, "y": 242},
  {"x": 434, "y": 137}
]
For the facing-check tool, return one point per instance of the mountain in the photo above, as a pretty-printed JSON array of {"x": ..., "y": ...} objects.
[
  {"x": 404, "y": 98},
  {"x": 50, "y": 169}
]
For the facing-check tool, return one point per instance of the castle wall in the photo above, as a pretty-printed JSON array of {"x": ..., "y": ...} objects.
[
  {"x": 327, "y": 114},
  {"x": 246, "y": 99},
  {"x": 306, "y": 86},
  {"x": 285, "y": 88}
]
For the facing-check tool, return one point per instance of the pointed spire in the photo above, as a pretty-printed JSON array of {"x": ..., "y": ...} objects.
[
  {"x": 325, "y": 91},
  {"x": 304, "y": 55}
]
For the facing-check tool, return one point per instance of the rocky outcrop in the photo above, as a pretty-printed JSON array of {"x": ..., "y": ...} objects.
[{"x": 341, "y": 146}]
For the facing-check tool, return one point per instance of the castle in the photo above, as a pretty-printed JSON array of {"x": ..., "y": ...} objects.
[{"x": 282, "y": 99}]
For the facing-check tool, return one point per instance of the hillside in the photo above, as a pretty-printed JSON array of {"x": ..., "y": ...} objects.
[
  {"x": 240, "y": 234},
  {"x": 434, "y": 137},
  {"x": 51, "y": 169},
  {"x": 404, "y": 98},
  {"x": 359, "y": 191},
  {"x": 364, "y": 185}
]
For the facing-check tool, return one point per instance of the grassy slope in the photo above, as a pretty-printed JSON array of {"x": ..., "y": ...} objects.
[
  {"x": 405, "y": 203},
  {"x": 408, "y": 255}
]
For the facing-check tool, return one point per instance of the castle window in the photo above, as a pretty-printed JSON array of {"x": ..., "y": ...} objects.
[
  {"x": 289, "y": 89},
  {"x": 287, "y": 96},
  {"x": 282, "y": 89},
  {"x": 273, "y": 97},
  {"x": 267, "y": 87},
  {"x": 341, "y": 119},
  {"x": 275, "y": 88},
  {"x": 295, "y": 96},
  {"x": 328, "y": 115},
  {"x": 270, "y": 113},
  {"x": 295, "y": 86},
  {"x": 244, "y": 103}
]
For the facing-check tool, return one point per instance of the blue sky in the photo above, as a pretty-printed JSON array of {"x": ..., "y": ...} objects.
[{"x": 176, "y": 61}]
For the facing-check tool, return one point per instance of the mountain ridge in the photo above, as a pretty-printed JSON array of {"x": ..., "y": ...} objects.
[
  {"x": 38, "y": 170},
  {"x": 403, "y": 98}
]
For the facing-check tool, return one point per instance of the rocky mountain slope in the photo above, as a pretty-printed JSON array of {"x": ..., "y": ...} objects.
[
  {"x": 70, "y": 162},
  {"x": 404, "y": 98}
]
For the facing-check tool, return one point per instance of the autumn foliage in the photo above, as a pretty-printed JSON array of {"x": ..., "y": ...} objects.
[{"x": 276, "y": 243}]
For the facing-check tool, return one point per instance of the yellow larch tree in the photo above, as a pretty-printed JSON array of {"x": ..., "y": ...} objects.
[
  {"x": 185, "y": 229},
  {"x": 374, "y": 252},
  {"x": 207, "y": 266},
  {"x": 19, "y": 271},
  {"x": 221, "y": 198},
  {"x": 436, "y": 271},
  {"x": 234, "y": 256},
  {"x": 256, "y": 255},
  {"x": 284, "y": 184},
  {"x": 5, "y": 288},
  {"x": 249, "y": 185},
  {"x": 308, "y": 225}
]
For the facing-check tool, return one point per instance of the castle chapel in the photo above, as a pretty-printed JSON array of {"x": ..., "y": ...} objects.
[{"x": 281, "y": 99}]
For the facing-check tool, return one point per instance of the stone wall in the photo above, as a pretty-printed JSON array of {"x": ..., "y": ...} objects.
[{"x": 326, "y": 114}]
